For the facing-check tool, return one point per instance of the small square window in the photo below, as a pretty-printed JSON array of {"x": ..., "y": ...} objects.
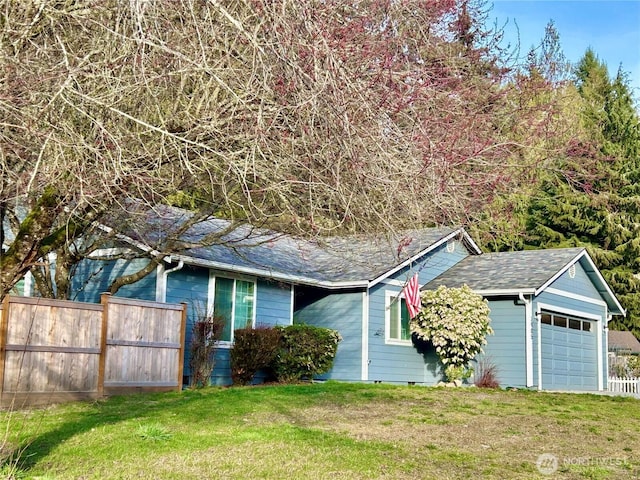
[
  {"x": 586, "y": 326},
  {"x": 560, "y": 321},
  {"x": 574, "y": 324},
  {"x": 546, "y": 319}
]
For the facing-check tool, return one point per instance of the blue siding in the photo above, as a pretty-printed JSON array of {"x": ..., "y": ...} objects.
[
  {"x": 341, "y": 312},
  {"x": 273, "y": 304},
  {"x": 580, "y": 284},
  {"x": 403, "y": 363},
  {"x": 92, "y": 278},
  {"x": 395, "y": 363},
  {"x": 191, "y": 285},
  {"x": 506, "y": 347}
]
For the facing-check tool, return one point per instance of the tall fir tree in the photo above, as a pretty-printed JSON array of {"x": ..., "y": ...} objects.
[
  {"x": 593, "y": 198},
  {"x": 586, "y": 193}
]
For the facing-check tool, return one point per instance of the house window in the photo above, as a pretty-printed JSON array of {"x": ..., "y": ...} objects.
[
  {"x": 397, "y": 318},
  {"x": 234, "y": 300},
  {"x": 563, "y": 321}
]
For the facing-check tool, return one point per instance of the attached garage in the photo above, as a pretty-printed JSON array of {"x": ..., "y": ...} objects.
[
  {"x": 549, "y": 313},
  {"x": 569, "y": 352}
]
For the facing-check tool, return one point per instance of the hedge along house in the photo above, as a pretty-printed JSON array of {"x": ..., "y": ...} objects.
[
  {"x": 549, "y": 312},
  {"x": 252, "y": 277}
]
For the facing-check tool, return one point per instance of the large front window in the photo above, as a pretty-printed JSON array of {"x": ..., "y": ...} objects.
[
  {"x": 397, "y": 319},
  {"x": 233, "y": 300}
]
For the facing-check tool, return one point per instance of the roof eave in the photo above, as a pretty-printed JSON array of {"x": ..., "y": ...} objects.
[
  {"x": 267, "y": 273},
  {"x": 459, "y": 231},
  {"x": 505, "y": 292}
]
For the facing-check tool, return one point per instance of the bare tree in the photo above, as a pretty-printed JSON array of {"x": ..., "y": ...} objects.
[{"x": 310, "y": 117}]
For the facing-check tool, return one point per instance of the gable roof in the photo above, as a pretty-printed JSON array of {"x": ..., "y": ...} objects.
[
  {"x": 528, "y": 272},
  {"x": 623, "y": 342},
  {"x": 333, "y": 262}
]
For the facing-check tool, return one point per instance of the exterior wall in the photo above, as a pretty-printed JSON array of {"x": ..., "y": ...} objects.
[
  {"x": 401, "y": 362},
  {"x": 506, "y": 347},
  {"x": 579, "y": 297},
  {"x": 341, "y": 312},
  {"x": 274, "y": 303},
  {"x": 191, "y": 285},
  {"x": 93, "y": 278}
]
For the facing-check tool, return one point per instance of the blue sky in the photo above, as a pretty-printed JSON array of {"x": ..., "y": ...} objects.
[{"x": 610, "y": 27}]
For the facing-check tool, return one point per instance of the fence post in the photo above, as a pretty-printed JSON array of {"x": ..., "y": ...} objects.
[
  {"x": 4, "y": 326},
  {"x": 181, "y": 352},
  {"x": 104, "y": 301}
]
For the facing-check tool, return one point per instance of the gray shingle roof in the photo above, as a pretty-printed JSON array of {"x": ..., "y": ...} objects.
[
  {"x": 333, "y": 261},
  {"x": 624, "y": 342},
  {"x": 527, "y": 271},
  {"x": 517, "y": 271},
  {"x": 328, "y": 260}
]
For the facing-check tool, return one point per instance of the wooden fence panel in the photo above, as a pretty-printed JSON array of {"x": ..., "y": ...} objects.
[
  {"x": 53, "y": 350},
  {"x": 51, "y": 346},
  {"x": 143, "y": 346}
]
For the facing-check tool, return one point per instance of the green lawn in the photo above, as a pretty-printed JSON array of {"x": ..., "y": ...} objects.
[{"x": 331, "y": 430}]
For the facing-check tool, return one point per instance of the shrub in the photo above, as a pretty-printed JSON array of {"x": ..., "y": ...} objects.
[
  {"x": 254, "y": 349},
  {"x": 486, "y": 375},
  {"x": 205, "y": 335},
  {"x": 456, "y": 322},
  {"x": 633, "y": 364},
  {"x": 305, "y": 351}
]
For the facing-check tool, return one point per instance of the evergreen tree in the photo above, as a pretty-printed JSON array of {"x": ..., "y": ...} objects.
[
  {"x": 586, "y": 193},
  {"x": 593, "y": 198}
]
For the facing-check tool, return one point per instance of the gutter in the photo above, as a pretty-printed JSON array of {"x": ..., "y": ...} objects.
[{"x": 270, "y": 274}]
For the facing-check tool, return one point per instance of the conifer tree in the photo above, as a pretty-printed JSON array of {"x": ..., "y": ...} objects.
[{"x": 591, "y": 198}]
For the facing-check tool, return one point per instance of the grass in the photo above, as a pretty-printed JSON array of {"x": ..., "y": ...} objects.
[{"x": 331, "y": 430}]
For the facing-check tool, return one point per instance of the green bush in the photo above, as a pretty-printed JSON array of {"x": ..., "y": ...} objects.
[
  {"x": 456, "y": 321},
  {"x": 253, "y": 349},
  {"x": 305, "y": 351}
]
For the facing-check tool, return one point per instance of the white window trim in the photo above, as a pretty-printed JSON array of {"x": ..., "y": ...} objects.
[
  {"x": 389, "y": 296},
  {"x": 211, "y": 288}
]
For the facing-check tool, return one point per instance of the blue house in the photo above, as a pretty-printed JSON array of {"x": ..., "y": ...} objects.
[{"x": 354, "y": 285}]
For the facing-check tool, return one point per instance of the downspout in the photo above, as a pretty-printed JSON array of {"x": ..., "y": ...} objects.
[
  {"x": 539, "y": 328},
  {"x": 603, "y": 353},
  {"x": 364, "y": 368},
  {"x": 161, "y": 295},
  {"x": 528, "y": 346}
]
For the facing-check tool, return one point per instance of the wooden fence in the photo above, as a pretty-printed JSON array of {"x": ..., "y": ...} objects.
[
  {"x": 624, "y": 385},
  {"x": 56, "y": 350}
]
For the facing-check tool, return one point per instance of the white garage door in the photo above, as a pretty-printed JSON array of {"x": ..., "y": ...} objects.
[{"x": 569, "y": 353}]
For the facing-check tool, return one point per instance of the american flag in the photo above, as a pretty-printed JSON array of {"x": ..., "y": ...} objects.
[{"x": 412, "y": 296}]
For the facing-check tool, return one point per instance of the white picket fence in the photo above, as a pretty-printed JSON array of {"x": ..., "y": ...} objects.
[{"x": 624, "y": 385}]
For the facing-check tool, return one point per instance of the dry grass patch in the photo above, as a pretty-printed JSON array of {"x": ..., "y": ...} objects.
[{"x": 335, "y": 431}]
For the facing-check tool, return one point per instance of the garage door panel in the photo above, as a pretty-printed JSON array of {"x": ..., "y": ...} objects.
[{"x": 569, "y": 357}]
